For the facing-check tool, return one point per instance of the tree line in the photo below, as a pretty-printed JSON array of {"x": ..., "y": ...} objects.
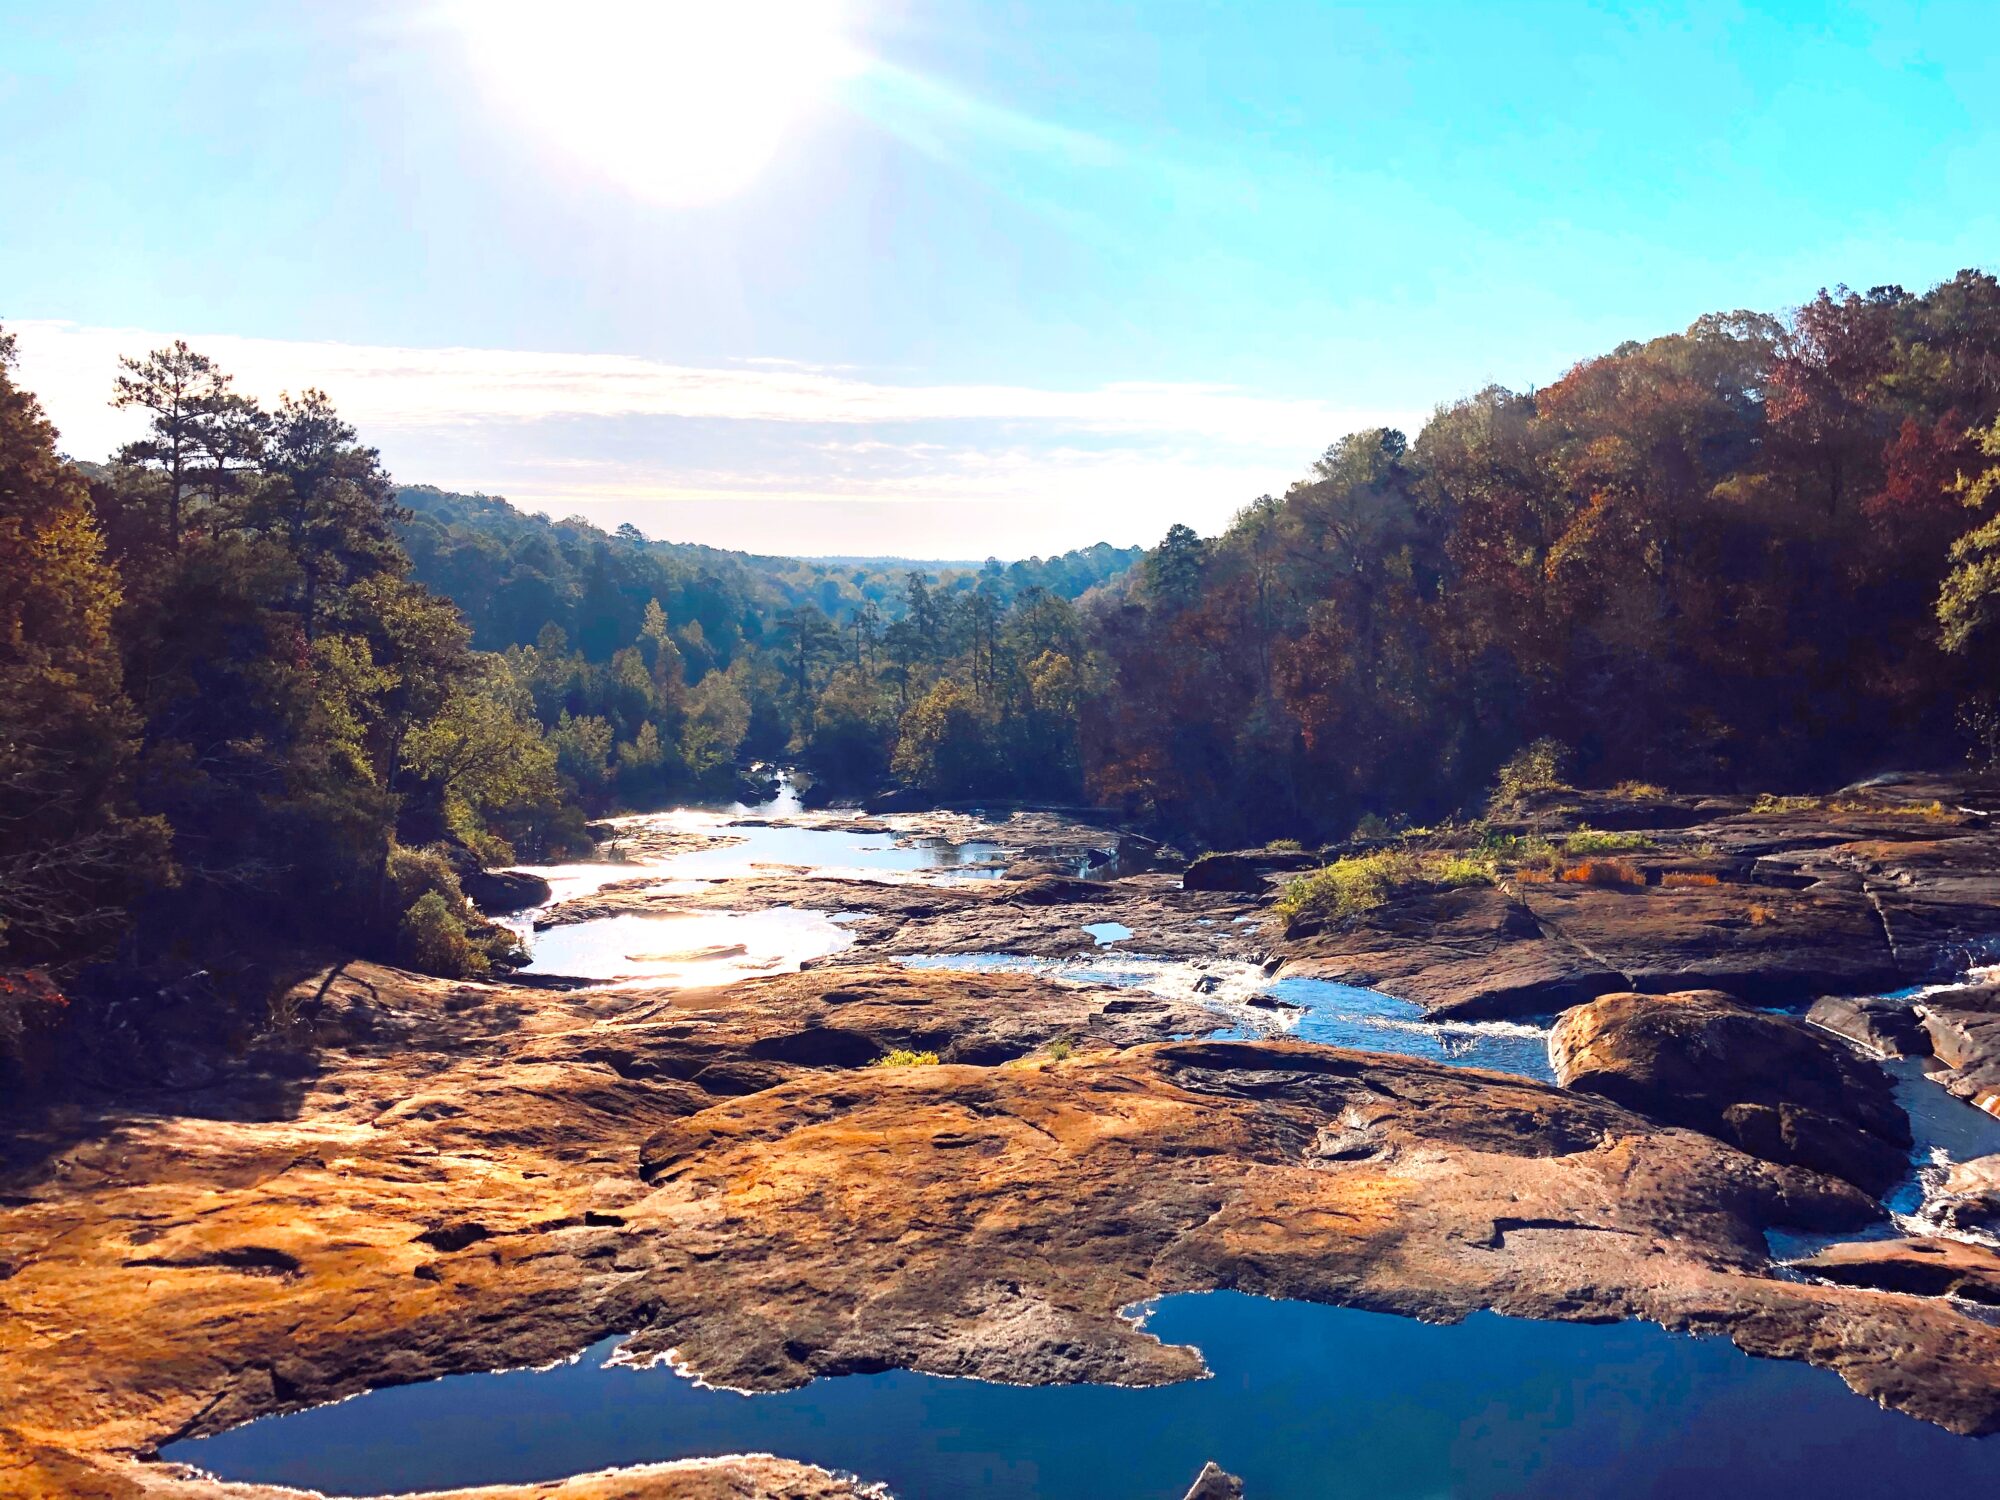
[
  {"x": 227, "y": 712},
  {"x": 657, "y": 670},
  {"x": 246, "y": 684},
  {"x": 1761, "y": 552}
]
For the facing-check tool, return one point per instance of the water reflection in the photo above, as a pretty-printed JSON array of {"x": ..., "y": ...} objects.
[{"x": 1305, "y": 1402}]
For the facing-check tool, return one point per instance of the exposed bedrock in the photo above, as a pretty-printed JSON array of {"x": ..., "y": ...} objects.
[
  {"x": 1929, "y": 1267},
  {"x": 1765, "y": 1083},
  {"x": 1880, "y": 1024},
  {"x": 1845, "y": 895},
  {"x": 1963, "y": 1026},
  {"x": 1969, "y": 1198},
  {"x": 488, "y": 1176}
]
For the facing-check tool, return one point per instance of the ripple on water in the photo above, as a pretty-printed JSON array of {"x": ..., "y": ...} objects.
[
  {"x": 1339, "y": 1015},
  {"x": 1304, "y": 1401}
]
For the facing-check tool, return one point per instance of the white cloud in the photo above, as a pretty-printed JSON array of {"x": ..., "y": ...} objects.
[{"x": 568, "y": 431}]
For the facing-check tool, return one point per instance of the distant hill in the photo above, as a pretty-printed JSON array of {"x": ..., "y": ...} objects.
[{"x": 512, "y": 573}]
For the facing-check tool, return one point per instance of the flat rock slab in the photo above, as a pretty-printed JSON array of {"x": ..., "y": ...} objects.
[
  {"x": 495, "y": 1177},
  {"x": 1927, "y": 1267}
]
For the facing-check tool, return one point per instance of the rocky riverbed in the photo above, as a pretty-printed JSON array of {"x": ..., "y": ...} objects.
[{"x": 448, "y": 1177}]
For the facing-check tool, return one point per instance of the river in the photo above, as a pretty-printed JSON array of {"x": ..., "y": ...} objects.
[{"x": 1304, "y": 1400}]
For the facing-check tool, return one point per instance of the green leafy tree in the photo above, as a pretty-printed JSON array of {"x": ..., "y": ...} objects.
[{"x": 67, "y": 852}]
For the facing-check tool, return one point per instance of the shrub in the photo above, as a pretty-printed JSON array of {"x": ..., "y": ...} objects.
[
  {"x": 1521, "y": 853},
  {"x": 1613, "y": 872},
  {"x": 1639, "y": 791},
  {"x": 1598, "y": 841},
  {"x": 903, "y": 1057},
  {"x": 433, "y": 938},
  {"x": 1932, "y": 811},
  {"x": 1767, "y": 803},
  {"x": 416, "y": 872},
  {"x": 1541, "y": 766},
  {"x": 1372, "y": 827},
  {"x": 1362, "y": 882},
  {"x": 1680, "y": 879},
  {"x": 1761, "y": 915},
  {"x": 1284, "y": 846},
  {"x": 1061, "y": 1049}
]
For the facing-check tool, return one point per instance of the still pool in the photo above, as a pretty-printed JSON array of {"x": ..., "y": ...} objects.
[{"x": 1305, "y": 1403}]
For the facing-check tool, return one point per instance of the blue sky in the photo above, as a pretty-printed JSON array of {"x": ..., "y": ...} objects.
[{"x": 1004, "y": 277}]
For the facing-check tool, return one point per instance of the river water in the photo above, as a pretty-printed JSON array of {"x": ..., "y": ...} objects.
[{"x": 1305, "y": 1401}]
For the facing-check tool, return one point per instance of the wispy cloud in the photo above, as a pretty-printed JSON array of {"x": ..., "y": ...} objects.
[{"x": 568, "y": 431}]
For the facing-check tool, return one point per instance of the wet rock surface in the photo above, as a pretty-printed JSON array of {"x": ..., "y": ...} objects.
[
  {"x": 487, "y": 1176},
  {"x": 1215, "y": 1483},
  {"x": 1963, "y": 1026},
  {"x": 498, "y": 892},
  {"x": 1969, "y": 1201},
  {"x": 1765, "y": 1083},
  {"x": 1924, "y": 1267},
  {"x": 1883, "y": 1025}
]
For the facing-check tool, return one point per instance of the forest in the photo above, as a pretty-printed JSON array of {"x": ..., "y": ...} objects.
[{"x": 248, "y": 685}]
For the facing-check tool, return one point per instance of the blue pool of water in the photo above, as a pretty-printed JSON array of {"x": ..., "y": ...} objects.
[
  {"x": 829, "y": 849},
  {"x": 1305, "y": 1403},
  {"x": 1345, "y": 1015}
]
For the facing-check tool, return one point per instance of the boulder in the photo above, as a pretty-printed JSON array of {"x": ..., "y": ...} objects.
[
  {"x": 1058, "y": 890},
  {"x": 1765, "y": 1083},
  {"x": 753, "y": 788},
  {"x": 1244, "y": 869},
  {"x": 898, "y": 799},
  {"x": 1928, "y": 1268},
  {"x": 1884, "y": 1026},
  {"x": 496, "y": 892}
]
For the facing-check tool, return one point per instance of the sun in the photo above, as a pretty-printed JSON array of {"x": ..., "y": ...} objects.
[{"x": 682, "y": 102}]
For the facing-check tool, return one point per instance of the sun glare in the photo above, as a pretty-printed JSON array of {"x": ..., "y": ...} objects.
[{"x": 681, "y": 103}]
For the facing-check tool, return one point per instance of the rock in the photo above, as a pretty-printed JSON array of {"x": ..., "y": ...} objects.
[
  {"x": 1764, "y": 1083},
  {"x": 1886, "y": 1027},
  {"x": 753, "y": 788},
  {"x": 1925, "y": 1267},
  {"x": 1844, "y": 895},
  {"x": 1779, "y": 945},
  {"x": 1473, "y": 953},
  {"x": 505, "y": 1183},
  {"x": 1969, "y": 1200},
  {"x": 1057, "y": 890},
  {"x": 1963, "y": 1025},
  {"x": 1043, "y": 917},
  {"x": 1215, "y": 1483},
  {"x": 899, "y": 799},
  {"x": 1244, "y": 870},
  {"x": 497, "y": 892}
]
